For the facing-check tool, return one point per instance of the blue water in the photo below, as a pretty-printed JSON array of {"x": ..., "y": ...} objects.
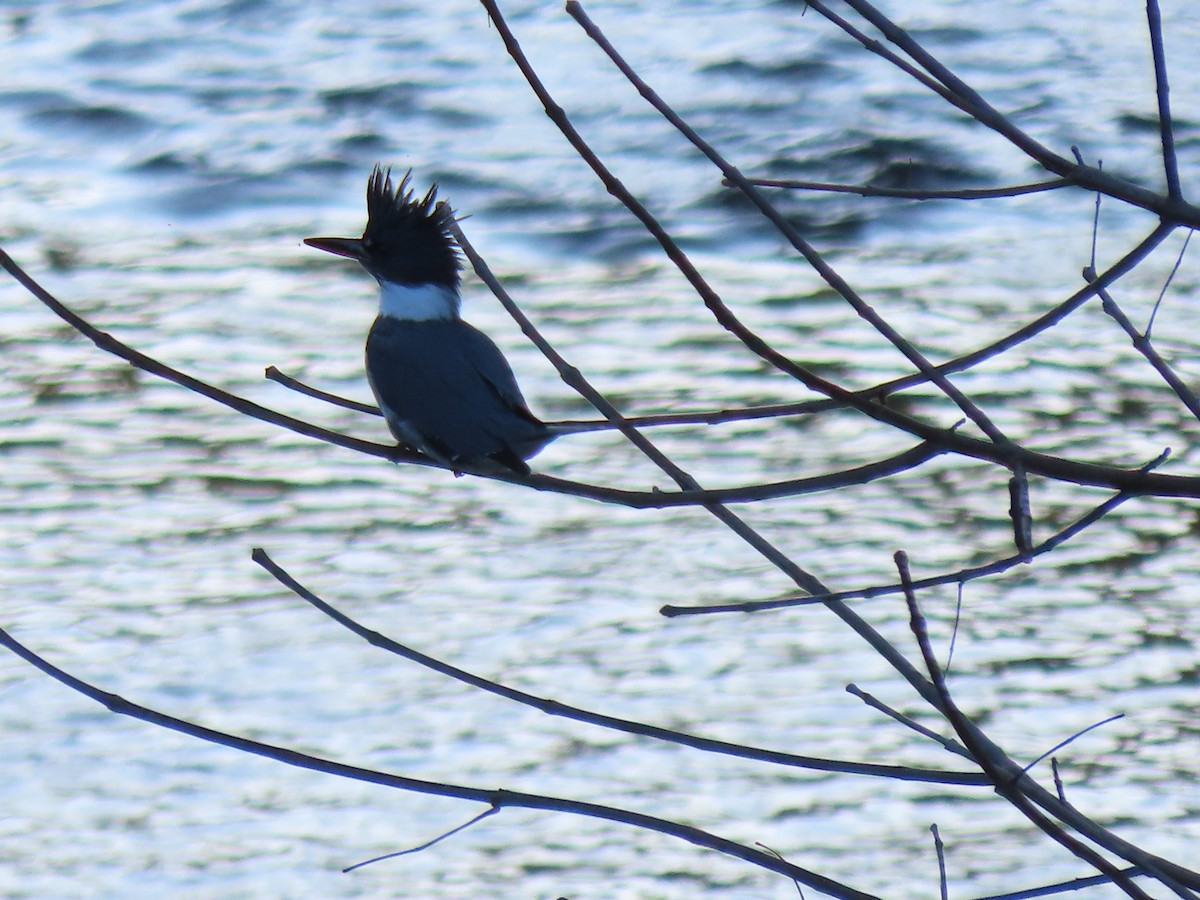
[{"x": 160, "y": 164}]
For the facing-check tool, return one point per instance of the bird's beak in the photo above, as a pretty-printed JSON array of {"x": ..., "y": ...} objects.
[{"x": 348, "y": 247}]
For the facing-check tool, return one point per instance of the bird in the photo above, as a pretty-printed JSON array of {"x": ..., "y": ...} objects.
[{"x": 443, "y": 386}]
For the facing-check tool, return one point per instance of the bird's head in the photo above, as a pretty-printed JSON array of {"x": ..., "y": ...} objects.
[{"x": 407, "y": 240}]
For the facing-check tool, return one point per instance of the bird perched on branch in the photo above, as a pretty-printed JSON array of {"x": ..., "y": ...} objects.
[{"x": 444, "y": 388}]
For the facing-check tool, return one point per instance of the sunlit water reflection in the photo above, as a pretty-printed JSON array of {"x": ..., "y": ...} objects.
[{"x": 160, "y": 164}]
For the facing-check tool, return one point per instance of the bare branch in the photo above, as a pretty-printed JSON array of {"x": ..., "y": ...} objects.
[
  {"x": 1163, "y": 92},
  {"x": 1062, "y": 887},
  {"x": 496, "y": 798},
  {"x": 1170, "y": 209},
  {"x": 1052, "y": 317},
  {"x": 1144, "y": 346},
  {"x": 709, "y": 417},
  {"x": 827, "y": 273},
  {"x": 1042, "y": 464},
  {"x": 959, "y": 577},
  {"x": 273, "y": 374},
  {"x": 1058, "y": 782},
  {"x": 865, "y": 190},
  {"x": 636, "y": 499},
  {"x": 1020, "y": 512},
  {"x": 940, "y": 849},
  {"x": 907, "y": 721},
  {"x": 626, "y": 726},
  {"x": 1005, "y": 785}
]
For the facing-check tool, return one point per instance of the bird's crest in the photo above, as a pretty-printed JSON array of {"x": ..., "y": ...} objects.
[{"x": 420, "y": 228}]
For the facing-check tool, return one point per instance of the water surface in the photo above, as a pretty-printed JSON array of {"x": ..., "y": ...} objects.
[{"x": 161, "y": 163}]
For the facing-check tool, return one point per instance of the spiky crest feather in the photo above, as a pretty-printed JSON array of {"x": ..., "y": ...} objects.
[{"x": 417, "y": 228}]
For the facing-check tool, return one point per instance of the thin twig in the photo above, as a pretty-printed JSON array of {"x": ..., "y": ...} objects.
[
  {"x": 425, "y": 846},
  {"x": 1166, "y": 284},
  {"x": 1051, "y": 317},
  {"x": 878, "y": 48},
  {"x": 1072, "y": 738},
  {"x": 273, "y": 374},
  {"x": 1095, "y": 223},
  {"x": 940, "y": 850},
  {"x": 907, "y": 721},
  {"x": 1145, "y": 347},
  {"x": 799, "y": 887}
]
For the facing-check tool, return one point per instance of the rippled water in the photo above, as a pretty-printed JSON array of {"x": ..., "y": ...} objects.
[{"x": 159, "y": 165}]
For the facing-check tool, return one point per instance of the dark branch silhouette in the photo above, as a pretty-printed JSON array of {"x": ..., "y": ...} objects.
[
  {"x": 959, "y": 577},
  {"x": 869, "y": 190},
  {"x": 497, "y": 798},
  {"x": 555, "y": 708}
]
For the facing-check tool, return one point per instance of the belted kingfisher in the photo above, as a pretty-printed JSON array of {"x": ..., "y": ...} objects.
[{"x": 444, "y": 388}]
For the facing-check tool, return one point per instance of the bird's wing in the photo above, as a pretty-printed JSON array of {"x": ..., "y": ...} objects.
[
  {"x": 450, "y": 389},
  {"x": 494, "y": 369}
]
